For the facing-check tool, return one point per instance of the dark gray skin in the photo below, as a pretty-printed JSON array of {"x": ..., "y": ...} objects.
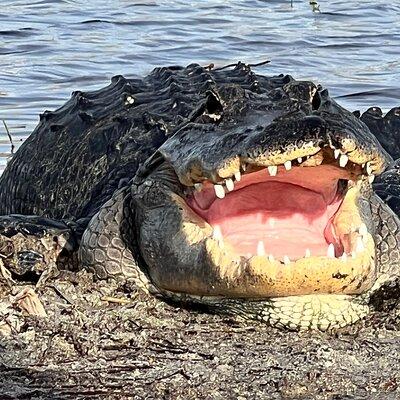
[{"x": 109, "y": 161}]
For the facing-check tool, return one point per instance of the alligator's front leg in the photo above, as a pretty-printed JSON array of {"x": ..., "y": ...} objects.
[
  {"x": 386, "y": 212},
  {"x": 386, "y": 208},
  {"x": 108, "y": 244}
]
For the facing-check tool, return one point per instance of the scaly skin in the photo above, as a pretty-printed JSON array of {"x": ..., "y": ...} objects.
[{"x": 118, "y": 164}]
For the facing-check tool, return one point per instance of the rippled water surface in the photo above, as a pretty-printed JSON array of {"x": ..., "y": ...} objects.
[{"x": 48, "y": 48}]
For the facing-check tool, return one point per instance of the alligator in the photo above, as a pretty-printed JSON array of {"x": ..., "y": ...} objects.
[{"x": 248, "y": 195}]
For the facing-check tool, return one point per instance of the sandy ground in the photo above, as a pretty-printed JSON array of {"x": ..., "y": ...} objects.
[{"x": 103, "y": 342}]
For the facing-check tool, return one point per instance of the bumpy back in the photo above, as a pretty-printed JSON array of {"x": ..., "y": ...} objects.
[{"x": 79, "y": 154}]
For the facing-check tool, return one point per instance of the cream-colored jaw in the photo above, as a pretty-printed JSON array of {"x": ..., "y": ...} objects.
[{"x": 261, "y": 275}]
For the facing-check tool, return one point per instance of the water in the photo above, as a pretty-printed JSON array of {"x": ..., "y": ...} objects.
[{"x": 48, "y": 48}]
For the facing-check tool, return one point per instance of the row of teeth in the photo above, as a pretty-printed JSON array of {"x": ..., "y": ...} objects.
[
  {"x": 360, "y": 246},
  {"x": 229, "y": 185}
]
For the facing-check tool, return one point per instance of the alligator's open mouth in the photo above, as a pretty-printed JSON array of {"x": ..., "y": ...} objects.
[
  {"x": 284, "y": 214},
  {"x": 297, "y": 226}
]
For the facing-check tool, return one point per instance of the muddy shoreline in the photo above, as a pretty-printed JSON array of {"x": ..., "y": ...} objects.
[{"x": 103, "y": 342}]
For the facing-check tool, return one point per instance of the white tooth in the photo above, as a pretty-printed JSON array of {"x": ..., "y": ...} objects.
[
  {"x": 299, "y": 160},
  {"x": 244, "y": 167},
  {"x": 219, "y": 191},
  {"x": 260, "y": 249},
  {"x": 343, "y": 257},
  {"x": 271, "y": 258},
  {"x": 229, "y": 184},
  {"x": 343, "y": 160},
  {"x": 217, "y": 234},
  {"x": 273, "y": 170},
  {"x": 331, "y": 251},
  {"x": 363, "y": 229},
  {"x": 286, "y": 260},
  {"x": 198, "y": 186},
  {"x": 359, "y": 245},
  {"x": 371, "y": 178},
  {"x": 308, "y": 253},
  {"x": 238, "y": 176},
  {"x": 336, "y": 153},
  {"x": 369, "y": 168},
  {"x": 288, "y": 165}
]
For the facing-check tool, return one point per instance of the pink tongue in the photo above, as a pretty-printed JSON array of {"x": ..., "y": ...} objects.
[{"x": 287, "y": 218}]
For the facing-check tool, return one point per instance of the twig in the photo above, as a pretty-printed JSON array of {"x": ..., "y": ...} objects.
[
  {"x": 9, "y": 137},
  {"x": 260, "y": 63},
  {"x": 248, "y": 65},
  {"x": 209, "y": 66},
  {"x": 6, "y": 274},
  {"x": 115, "y": 300},
  {"x": 62, "y": 295},
  {"x": 170, "y": 375}
]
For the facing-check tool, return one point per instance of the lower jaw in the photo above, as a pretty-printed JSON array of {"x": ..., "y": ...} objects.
[{"x": 259, "y": 277}]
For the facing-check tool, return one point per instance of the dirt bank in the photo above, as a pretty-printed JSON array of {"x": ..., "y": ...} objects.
[{"x": 99, "y": 342}]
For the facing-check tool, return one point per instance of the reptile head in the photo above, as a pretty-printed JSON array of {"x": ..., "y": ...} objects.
[{"x": 262, "y": 196}]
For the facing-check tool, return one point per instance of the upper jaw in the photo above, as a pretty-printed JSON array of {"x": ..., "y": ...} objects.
[
  {"x": 218, "y": 153},
  {"x": 224, "y": 182}
]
